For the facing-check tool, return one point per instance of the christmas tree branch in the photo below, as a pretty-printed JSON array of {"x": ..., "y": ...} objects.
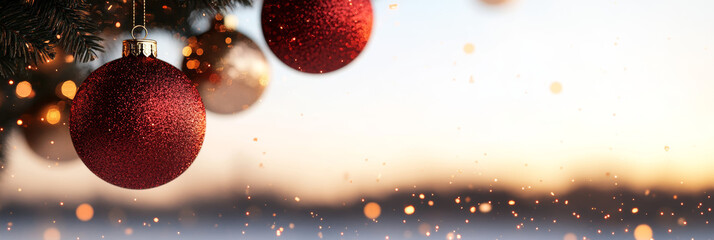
[
  {"x": 75, "y": 31},
  {"x": 30, "y": 30},
  {"x": 24, "y": 38}
]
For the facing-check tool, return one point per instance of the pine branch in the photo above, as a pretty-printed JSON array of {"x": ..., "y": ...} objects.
[
  {"x": 72, "y": 23},
  {"x": 8, "y": 66},
  {"x": 29, "y": 29},
  {"x": 24, "y": 37}
]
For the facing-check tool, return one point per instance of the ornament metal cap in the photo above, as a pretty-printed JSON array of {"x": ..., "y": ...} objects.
[{"x": 139, "y": 48}]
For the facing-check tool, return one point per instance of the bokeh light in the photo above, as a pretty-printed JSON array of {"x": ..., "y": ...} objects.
[
  {"x": 53, "y": 115},
  {"x": 570, "y": 236},
  {"x": 231, "y": 22},
  {"x": 23, "y": 89},
  {"x": 68, "y": 89},
  {"x": 409, "y": 210},
  {"x": 556, "y": 87},
  {"x": 469, "y": 48},
  {"x": 187, "y": 50},
  {"x": 484, "y": 207},
  {"x": 372, "y": 210},
  {"x": 51, "y": 234},
  {"x": 643, "y": 232},
  {"x": 84, "y": 212}
]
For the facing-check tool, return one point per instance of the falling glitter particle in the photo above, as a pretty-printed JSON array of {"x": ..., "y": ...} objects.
[
  {"x": 643, "y": 232},
  {"x": 469, "y": 48},
  {"x": 556, "y": 87},
  {"x": 372, "y": 210}
]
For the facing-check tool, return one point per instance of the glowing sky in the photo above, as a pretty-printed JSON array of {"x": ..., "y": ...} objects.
[{"x": 419, "y": 107}]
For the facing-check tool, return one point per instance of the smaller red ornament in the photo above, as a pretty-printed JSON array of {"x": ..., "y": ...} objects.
[{"x": 316, "y": 36}]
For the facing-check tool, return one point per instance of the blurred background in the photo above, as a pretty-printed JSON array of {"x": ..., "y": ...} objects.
[{"x": 460, "y": 119}]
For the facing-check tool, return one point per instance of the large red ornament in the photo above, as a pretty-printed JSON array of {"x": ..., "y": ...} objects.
[
  {"x": 316, "y": 36},
  {"x": 137, "y": 122}
]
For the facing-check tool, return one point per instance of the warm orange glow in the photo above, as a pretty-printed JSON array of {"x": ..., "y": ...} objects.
[
  {"x": 192, "y": 64},
  {"x": 23, "y": 89},
  {"x": 393, "y": 6},
  {"x": 229, "y": 40},
  {"x": 635, "y": 210},
  {"x": 68, "y": 89},
  {"x": 570, "y": 236},
  {"x": 556, "y": 87},
  {"x": 421, "y": 196},
  {"x": 511, "y": 202},
  {"x": 199, "y": 51},
  {"x": 643, "y": 232},
  {"x": 85, "y": 212},
  {"x": 51, "y": 234},
  {"x": 409, "y": 210},
  {"x": 187, "y": 51},
  {"x": 53, "y": 115},
  {"x": 472, "y": 209},
  {"x": 469, "y": 48},
  {"x": 156, "y": 219},
  {"x": 68, "y": 58},
  {"x": 485, "y": 207},
  {"x": 19, "y": 122},
  {"x": 372, "y": 210},
  {"x": 231, "y": 22}
]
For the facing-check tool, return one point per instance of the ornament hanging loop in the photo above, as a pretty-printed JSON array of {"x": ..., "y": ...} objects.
[
  {"x": 139, "y": 47},
  {"x": 146, "y": 31}
]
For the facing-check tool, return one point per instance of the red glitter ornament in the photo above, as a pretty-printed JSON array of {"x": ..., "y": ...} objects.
[
  {"x": 137, "y": 122},
  {"x": 316, "y": 36}
]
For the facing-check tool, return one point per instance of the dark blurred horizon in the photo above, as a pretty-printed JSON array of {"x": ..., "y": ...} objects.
[{"x": 587, "y": 213}]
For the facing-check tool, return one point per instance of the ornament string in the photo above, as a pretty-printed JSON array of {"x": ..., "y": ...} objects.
[{"x": 143, "y": 18}]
